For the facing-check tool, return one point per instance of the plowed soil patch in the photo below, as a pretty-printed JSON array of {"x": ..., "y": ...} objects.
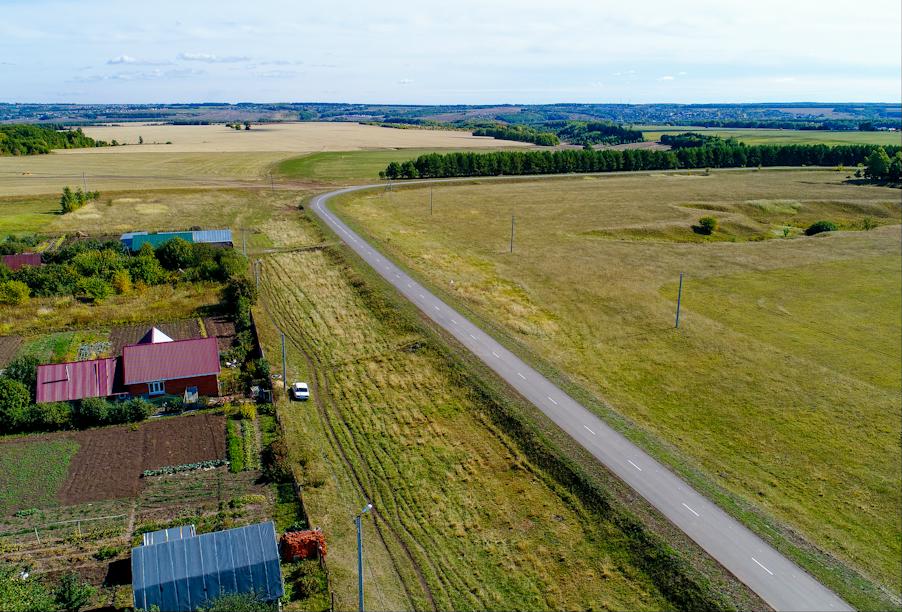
[
  {"x": 109, "y": 461},
  {"x": 8, "y": 347}
]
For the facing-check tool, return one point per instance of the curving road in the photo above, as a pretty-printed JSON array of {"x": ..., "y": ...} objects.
[{"x": 776, "y": 579}]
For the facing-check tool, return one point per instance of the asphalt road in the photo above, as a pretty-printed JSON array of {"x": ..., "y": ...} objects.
[{"x": 776, "y": 579}]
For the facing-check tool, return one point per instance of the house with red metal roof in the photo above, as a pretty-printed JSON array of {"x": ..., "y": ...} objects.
[
  {"x": 63, "y": 382},
  {"x": 157, "y": 365},
  {"x": 17, "y": 260}
]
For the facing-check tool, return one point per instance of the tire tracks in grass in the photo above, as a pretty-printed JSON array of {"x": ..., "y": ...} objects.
[{"x": 303, "y": 346}]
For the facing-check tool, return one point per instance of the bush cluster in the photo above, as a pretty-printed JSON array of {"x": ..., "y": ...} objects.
[
  {"x": 73, "y": 200},
  {"x": 819, "y": 227},
  {"x": 93, "y": 270}
]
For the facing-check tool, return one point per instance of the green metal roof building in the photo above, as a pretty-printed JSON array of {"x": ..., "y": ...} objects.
[{"x": 158, "y": 240}]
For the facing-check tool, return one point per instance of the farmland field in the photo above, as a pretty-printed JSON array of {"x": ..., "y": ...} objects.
[
  {"x": 755, "y": 136},
  {"x": 763, "y": 389}
]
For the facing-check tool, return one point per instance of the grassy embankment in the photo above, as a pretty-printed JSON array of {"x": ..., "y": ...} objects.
[
  {"x": 759, "y": 399},
  {"x": 465, "y": 520},
  {"x": 754, "y": 136}
]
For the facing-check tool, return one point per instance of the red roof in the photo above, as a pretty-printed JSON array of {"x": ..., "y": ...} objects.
[
  {"x": 14, "y": 262},
  {"x": 170, "y": 360},
  {"x": 61, "y": 382}
]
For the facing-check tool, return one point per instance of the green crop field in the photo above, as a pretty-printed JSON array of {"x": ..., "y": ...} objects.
[
  {"x": 31, "y": 472},
  {"x": 755, "y": 136},
  {"x": 781, "y": 387}
]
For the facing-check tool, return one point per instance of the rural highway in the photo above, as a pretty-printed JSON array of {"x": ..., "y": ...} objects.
[{"x": 777, "y": 580}]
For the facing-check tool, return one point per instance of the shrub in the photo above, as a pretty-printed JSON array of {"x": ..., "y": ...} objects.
[
  {"x": 119, "y": 412},
  {"x": 146, "y": 269},
  {"x": 247, "y": 412},
  {"x": 239, "y": 602},
  {"x": 122, "y": 281},
  {"x": 818, "y": 227},
  {"x": 176, "y": 254},
  {"x": 14, "y": 292},
  {"x": 868, "y": 223},
  {"x": 138, "y": 409},
  {"x": 94, "y": 289},
  {"x": 23, "y": 593},
  {"x": 706, "y": 226},
  {"x": 51, "y": 416},
  {"x": 24, "y": 369},
  {"x": 107, "y": 552},
  {"x": 92, "y": 411},
  {"x": 72, "y": 593},
  {"x": 14, "y": 402}
]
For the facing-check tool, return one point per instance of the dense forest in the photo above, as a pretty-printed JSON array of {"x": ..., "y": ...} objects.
[
  {"x": 519, "y": 133},
  {"x": 721, "y": 154},
  {"x": 41, "y": 139},
  {"x": 692, "y": 139}
]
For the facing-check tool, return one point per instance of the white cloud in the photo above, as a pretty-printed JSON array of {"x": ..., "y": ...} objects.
[
  {"x": 667, "y": 78},
  {"x": 133, "y": 61},
  {"x": 210, "y": 58}
]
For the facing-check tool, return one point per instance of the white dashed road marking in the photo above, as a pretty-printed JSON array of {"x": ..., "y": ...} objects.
[
  {"x": 496, "y": 354},
  {"x": 762, "y": 567},
  {"x": 521, "y": 376},
  {"x": 590, "y": 431},
  {"x": 552, "y": 400},
  {"x": 634, "y": 465},
  {"x": 691, "y": 510}
]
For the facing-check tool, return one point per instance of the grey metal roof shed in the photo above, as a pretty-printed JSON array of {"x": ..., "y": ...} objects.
[
  {"x": 167, "y": 535},
  {"x": 184, "y": 574}
]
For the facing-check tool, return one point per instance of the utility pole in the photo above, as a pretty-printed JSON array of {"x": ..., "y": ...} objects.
[
  {"x": 358, "y": 522},
  {"x": 284, "y": 364},
  {"x": 512, "y": 232},
  {"x": 679, "y": 299}
]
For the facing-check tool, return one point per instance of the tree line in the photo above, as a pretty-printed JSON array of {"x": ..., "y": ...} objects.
[
  {"x": 721, "y": 154},
  {"x": 590, "y": 133},
  {"x": 41, "y": 139},
  {"x": 520, "y": 133}
]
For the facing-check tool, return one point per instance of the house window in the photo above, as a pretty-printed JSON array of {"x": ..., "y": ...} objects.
[{"x": 156, "y": 387}]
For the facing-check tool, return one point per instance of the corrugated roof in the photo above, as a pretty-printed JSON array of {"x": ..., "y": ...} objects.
[
  {"x": 158, "y": 240},
  {"x": 169, "y": 360},
  {"x": 62, "y": 382},
  {"x": 182, "y": 575},
  {"x": 217, "y": 236},
  {"x": 168, "y": 535},
  {"x": 16, "y": 261}
]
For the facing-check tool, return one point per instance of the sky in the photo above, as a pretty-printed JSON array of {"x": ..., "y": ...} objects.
[{"x": 444, "y": 52}]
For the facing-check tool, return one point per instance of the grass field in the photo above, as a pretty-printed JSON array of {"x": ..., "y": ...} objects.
[
  {"x": 455, "y": 500},
  {"x": 31, "y": 474},
  {"x": 754, "y": 136},
  {"x": 787, "y": 345},
  {"x": 347, "y": 166}
]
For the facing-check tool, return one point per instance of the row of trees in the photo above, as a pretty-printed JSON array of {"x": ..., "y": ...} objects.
[
  {"x": 27, "y": 139},
  {"x": 94, "y": 270},
  {"x": 722, "y": 154},
  {"x": 519, "y": 133},
  {"x": 73, "y": 200}
]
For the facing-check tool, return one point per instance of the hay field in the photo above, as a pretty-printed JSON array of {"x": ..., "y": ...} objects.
[
  {"x": 304, "y": 137},
  {"x": 782, "y": 385}
]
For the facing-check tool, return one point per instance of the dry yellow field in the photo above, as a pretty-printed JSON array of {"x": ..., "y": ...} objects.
[{"x": 283, "y": 137}]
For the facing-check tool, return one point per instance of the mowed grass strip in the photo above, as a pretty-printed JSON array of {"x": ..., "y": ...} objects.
[
  {"x": 485, "y": 528},
  {"x": 746, "y": 397},
  {"x": 32, "y": 471}
]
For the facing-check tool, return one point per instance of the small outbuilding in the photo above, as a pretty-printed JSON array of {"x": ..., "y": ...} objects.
[
  {"x": 75, "y": 380},
  {"x": 185, "y": 572},
  {"x": 19, "y": 260},
  {"x": 135, "y": 240}
]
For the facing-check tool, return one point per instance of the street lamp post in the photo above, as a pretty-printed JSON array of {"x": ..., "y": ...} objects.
[{"x": 358, "y": 520}]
